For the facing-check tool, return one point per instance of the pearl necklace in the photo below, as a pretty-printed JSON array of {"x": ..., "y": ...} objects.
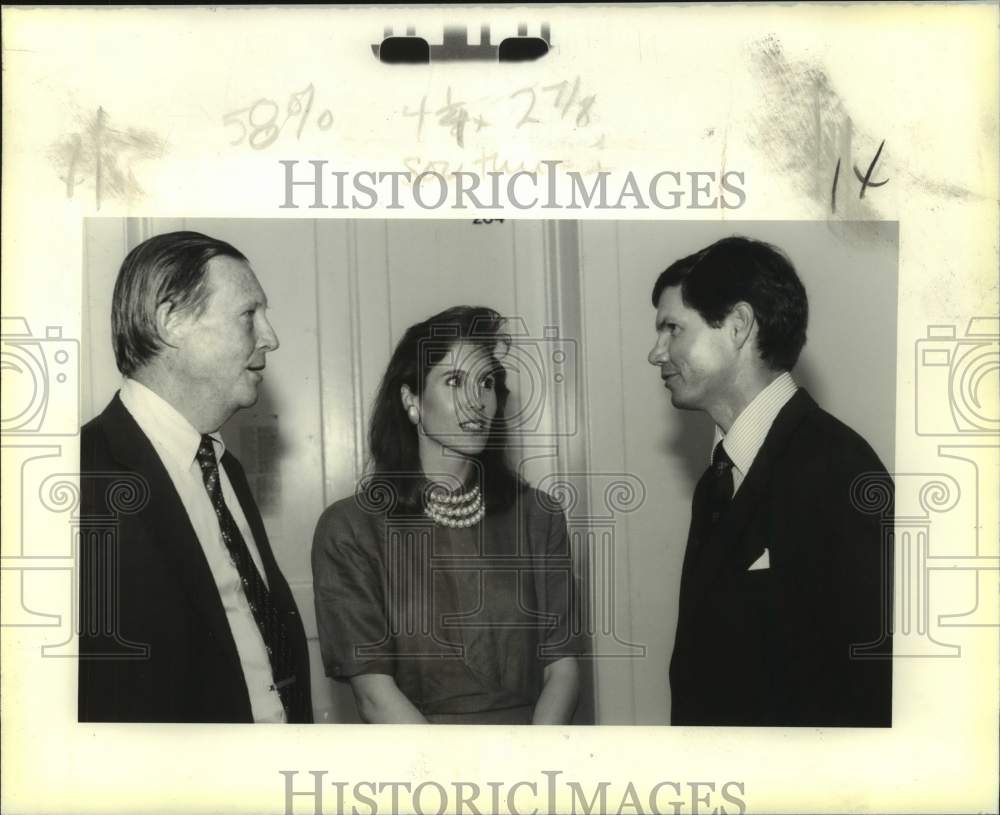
[{"x": 456, "y": 511}]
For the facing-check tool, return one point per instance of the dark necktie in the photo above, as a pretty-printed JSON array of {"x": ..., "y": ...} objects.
[
  {"x": 258, "y": 597},
  {"x": 721, "y": 486}
]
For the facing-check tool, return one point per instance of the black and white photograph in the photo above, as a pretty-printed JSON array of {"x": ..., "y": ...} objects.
[
  {"x": 510, "y": 472},
  {"x": 500, "y": 409}
]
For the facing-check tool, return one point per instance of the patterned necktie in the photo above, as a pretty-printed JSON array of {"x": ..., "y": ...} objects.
[
  {"x": 721, "y": 487},
  {"x": 258, "y": 597}
]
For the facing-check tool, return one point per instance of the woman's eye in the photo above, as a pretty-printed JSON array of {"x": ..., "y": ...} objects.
[
  {"x": 453, "y": 381},
  {"x": 487, "y": 383}
]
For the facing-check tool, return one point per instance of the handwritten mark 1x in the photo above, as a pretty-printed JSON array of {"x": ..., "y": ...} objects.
[{"x": 866, "y": 179}]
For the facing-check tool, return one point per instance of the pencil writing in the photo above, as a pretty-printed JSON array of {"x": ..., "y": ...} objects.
[
  {"x": 530, "y": 105},
  {"x": 866, "y": 179},
  {"x": 262, "y": 122}
]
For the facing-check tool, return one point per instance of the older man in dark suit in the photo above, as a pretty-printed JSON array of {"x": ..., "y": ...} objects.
[
  {"x": 184, "y": 614},
  {"x": 786, "y": 585}
]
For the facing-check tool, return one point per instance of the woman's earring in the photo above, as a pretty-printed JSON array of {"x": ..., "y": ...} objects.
[{"x": 413, "y": 413}]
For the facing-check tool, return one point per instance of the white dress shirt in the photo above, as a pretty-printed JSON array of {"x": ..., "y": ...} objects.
[
  {"x": 746, "y": 436},
  {"x": 176, "y": 442}
]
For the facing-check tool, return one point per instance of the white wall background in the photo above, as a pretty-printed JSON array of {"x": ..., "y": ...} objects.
[{"x": 341, "y": 294}]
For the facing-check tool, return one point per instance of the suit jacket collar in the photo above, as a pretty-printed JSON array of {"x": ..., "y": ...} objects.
[
  {"x": 706, "y": 560},
  {"x": 130, "y": 446},
  {"x": 169, "y": 525}
]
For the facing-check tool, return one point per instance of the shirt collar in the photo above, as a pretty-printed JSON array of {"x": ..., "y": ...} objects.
[
  {"x": 171, "y": 433},
  {"x": 747, "y": 434}
]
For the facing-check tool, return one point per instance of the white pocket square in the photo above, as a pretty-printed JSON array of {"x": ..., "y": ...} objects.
[{"x": 763, "y": 562}]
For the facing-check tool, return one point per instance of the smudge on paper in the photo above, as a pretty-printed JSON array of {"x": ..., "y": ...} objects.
[
  {"x": 807, "y": 131},
  {"x": 100, "y": 156}
]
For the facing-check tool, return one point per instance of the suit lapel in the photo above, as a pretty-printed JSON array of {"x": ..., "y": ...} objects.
[
  {"x": 168, "y": 522},
  {"x": 300, "y": 711},
  {"x": 731, "y": 545}
]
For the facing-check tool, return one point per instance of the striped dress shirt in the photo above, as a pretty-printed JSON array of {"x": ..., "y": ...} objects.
[{"x": 746, "y": 436}]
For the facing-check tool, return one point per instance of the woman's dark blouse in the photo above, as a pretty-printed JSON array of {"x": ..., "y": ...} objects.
[{"x": 464, "y": 620}]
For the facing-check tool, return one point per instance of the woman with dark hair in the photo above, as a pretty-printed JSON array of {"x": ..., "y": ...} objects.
[{"x": 443, "y": 585}]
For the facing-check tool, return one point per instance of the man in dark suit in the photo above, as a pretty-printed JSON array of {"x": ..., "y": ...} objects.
[
  {"x": 786, "y": 585},
  {"x": 184, "y": 614}
]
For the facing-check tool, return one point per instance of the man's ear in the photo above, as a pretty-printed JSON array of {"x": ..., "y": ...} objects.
[
  {"x": 741, "y": 322},
  {"x": 170, "y": 323}
]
